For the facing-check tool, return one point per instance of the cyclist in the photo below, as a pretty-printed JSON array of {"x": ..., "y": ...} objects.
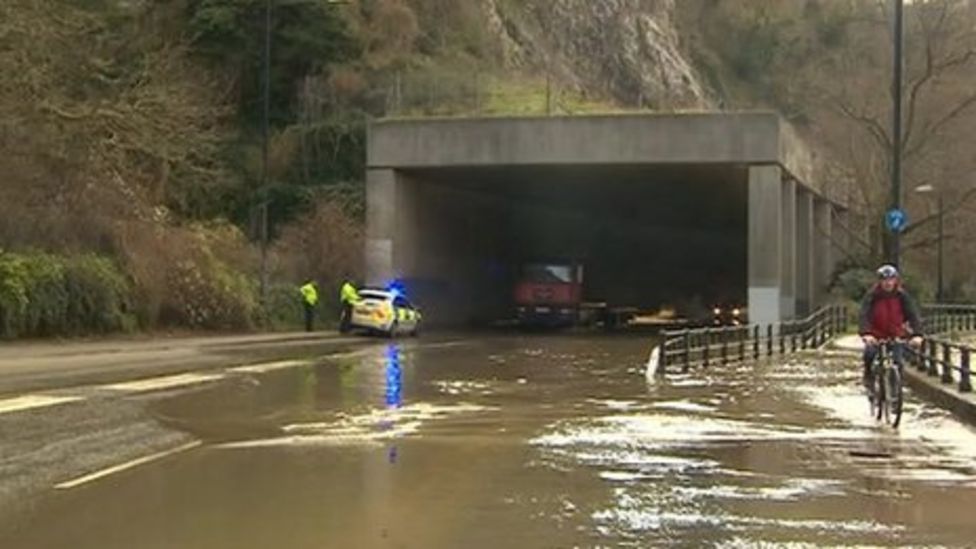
[{"x": 888, "y": 313}]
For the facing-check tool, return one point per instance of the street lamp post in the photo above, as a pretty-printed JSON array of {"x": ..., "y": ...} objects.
[
  {"x": 896, "y": 133},
  {"x": 940, "y": 284},
  {"x": 265, "y": 123}
]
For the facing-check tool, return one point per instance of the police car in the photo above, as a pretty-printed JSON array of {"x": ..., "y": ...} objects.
[{"x": 386, "y": 312}]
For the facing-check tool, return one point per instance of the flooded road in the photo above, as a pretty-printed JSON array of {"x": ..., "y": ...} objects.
[{"x": 522, "y": 442}]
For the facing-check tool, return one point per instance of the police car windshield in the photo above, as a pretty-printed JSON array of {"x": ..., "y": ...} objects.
[{"x": 374, "y": 294}]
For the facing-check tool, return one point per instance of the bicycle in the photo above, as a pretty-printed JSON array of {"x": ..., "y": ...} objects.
[{"x": 885, "y": 394}]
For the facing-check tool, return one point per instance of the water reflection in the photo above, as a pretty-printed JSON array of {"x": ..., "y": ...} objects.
[
  {"x": 394, "y": 377},
  {"x": 394, "y": 395}
]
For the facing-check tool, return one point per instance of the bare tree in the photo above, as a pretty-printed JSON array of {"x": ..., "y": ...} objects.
[{"x": 939, "y": 111}]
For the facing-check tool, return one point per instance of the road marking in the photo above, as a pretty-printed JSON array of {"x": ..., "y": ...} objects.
[
  {"x": 124, "y": 466},
  {"x": 157, "y": 383},
  {"x": 27, "y": 402},
  {"x": 269, "y": 366}
]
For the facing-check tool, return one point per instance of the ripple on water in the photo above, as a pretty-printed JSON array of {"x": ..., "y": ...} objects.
[
  {"x": 684, "y": 406},
  {"x": 371, "y": 427}
]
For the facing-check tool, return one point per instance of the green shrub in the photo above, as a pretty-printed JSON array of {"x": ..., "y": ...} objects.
[
  {"x": 854, "y": 282},
  {"x": 99, "y": 297},
  {"x": 13, "y": 294},
  {"x": 44, "y": 295}
]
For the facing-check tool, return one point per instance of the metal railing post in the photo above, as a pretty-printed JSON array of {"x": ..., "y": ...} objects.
[
  {"x": 686, "y": 353},
  {"x": 964, "y": 383},
  {"x": 743, "y": 335},
  {"x": 920, "y": 356},
  {"x": 705, "y": 347},
  {"x": 724, "y": 334},
  {"x": 755, "y": 342},
  {"x": 946, "y": 363},
  {"x": 769, "y": 340},
  {"x": 932, "y": 370}
]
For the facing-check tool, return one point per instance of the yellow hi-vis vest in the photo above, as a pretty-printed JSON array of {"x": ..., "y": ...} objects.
[
  {"x": 310, "y": 294},
  {"x": 348, "y": 294}
]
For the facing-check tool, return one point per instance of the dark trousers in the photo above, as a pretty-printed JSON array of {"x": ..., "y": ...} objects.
[
  {"x": 309, "y": 316},
  {"x": 871, "y": 354},
  {"x": 345, "y": 318}
]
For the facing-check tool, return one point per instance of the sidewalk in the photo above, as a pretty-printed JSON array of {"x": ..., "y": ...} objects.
[
  {"x": 931, "y": 388},
  {"x": 38, "y": 364}
]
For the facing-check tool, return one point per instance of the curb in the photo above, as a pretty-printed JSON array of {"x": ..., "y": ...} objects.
[{"x": 945, "y": 396}]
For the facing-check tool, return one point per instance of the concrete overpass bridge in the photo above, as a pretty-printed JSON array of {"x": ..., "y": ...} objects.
[{"x": 660, "y": 208}]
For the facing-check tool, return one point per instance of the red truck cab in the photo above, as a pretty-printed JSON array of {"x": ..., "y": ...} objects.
[{"x": 549, "y": 294}]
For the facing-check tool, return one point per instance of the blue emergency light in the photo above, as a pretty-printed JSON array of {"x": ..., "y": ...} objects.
[{"x": 396, "y": 288}]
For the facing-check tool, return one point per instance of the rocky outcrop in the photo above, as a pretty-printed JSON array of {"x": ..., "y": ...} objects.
[{"x": 626, "y": 49}]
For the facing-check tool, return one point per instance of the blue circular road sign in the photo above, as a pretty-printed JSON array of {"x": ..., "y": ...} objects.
[{"x": 896, "y": 219}]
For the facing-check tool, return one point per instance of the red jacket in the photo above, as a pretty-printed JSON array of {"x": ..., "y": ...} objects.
[{"x": 889, "y": 315}]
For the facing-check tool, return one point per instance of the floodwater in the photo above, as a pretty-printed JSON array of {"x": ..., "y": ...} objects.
[{"x": 527, "y": 442}]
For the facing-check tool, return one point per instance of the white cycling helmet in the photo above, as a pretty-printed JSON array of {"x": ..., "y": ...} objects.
[{"x": 887, "y": 271}]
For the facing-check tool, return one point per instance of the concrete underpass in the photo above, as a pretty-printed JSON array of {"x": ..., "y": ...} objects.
[
  {"x": 659, "y": 209},
  {"x": 647, "y": 237}
]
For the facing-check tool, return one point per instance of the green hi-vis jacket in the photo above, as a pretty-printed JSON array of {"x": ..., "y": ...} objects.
[
  {"x": 348, "y": 293},
  {"x": 310, "y": 294}
]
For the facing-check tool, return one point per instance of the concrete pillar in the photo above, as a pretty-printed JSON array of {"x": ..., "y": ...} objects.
[
  {"x": 380, "y": 225},
  {"x": 823, "y": 263},
  {"x": 787, "y": 295},
  {"x": 804, "y": 255},
  {"x": 765, "y": 243}
]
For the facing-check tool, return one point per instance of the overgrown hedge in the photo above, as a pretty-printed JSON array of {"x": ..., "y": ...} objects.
[
  {"x": 209, "y": 294},
  {"x": 43, "y": 295}
]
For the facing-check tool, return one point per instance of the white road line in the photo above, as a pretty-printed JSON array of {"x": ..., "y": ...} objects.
[
  {"x": 443, "y": 345},
  {"x": 124, "y": 466},
  {"x": 27, "y": 402},
  {"x": 157, "y": 383},
  {"x": 269, "y": 366}
]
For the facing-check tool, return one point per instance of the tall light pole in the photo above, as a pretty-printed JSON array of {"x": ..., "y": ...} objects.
[
  {"x": 896, "y": 133},
  {"x": 940, "y": 284},
  {"x": 265, "y": 123}
]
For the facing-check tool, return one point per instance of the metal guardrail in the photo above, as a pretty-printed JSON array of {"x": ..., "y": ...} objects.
[
  {"x": 944, "y": 359},
  {"x": 722, "y": 345},
  {"x": 941, "y": 357},
  {"x": 946, "y": 318}
]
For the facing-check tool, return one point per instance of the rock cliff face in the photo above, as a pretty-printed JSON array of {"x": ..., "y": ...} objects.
[{"x": 627, "y": 49}]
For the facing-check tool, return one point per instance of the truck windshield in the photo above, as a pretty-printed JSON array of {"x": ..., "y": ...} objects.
[{"x": 548, "y": 273}]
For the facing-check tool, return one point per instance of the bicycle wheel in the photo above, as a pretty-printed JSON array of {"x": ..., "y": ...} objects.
[
  {"x": 878, "y": 402},
  {"x": 894, "y": 400}
]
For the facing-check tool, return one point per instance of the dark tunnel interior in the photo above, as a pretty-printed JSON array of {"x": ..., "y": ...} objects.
[{"x": 647, "y": 236}]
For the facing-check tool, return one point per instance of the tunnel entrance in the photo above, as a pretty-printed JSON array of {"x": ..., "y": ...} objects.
[
  {"x": 686, "y": 210},
  {"x": 646, "y": 236}
]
